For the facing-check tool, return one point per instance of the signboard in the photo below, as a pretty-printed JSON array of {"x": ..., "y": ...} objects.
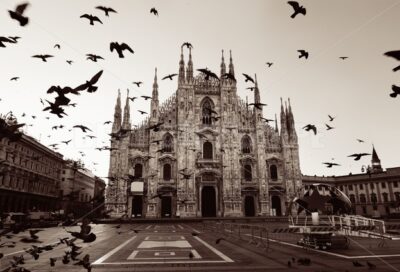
[{"x": 137, "y": 187}]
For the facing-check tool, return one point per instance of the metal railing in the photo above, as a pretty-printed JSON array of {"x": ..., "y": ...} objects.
[{"x": 252, "y": 234}]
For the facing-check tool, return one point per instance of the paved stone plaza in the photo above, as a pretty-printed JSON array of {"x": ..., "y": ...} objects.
[{"x": 192, "y": 247}]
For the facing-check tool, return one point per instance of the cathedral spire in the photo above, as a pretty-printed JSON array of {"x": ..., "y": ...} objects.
[
  {"x": 276, "y": 124},
  {"x": 155, "y": 86},
  {"x": 181, "y": 77},
  {"x": 154, "y": 100},
  {"x": 223, "y": 67},
  {"x": 290, "y": 122},
  {"x": 126, "y": 124},
  {"x": 257, "y": 98},
  {"x": 283, "y": 122},
  {"x": 231, "y": 69},
  {"x": 189, "y": 70},
  {"x": 117, "y": 114}
]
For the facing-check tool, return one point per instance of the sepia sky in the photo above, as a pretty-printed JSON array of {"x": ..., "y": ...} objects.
[{"x": 355, "y": 90}]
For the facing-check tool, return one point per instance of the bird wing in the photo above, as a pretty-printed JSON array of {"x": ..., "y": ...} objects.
[
  {"x": 396, "y": 89},
  {"x": 95, "y": 18},
  {"x": 4, "y": 39},
  {"x": 168, "y": 76},
  {"x": 96, "y": 77},
  {"x": 394, "y": 54},
  {"x": 294, "y": 4},
  {"x": 87, "y": 16},
  {"x": 113, "y": 45},
  {"x": 21, "y": 8},
  {"x": 124, "y": 46}
]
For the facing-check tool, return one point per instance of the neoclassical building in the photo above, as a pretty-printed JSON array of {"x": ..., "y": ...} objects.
[{"x": 213, "y": 155}]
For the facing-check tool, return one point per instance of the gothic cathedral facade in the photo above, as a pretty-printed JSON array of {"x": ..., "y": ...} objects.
[{"x": 213, "y": 155}]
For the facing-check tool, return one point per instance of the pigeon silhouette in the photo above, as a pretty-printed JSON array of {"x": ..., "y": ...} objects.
[
  {"x": 4, "y": 39},
  {"x": 93, "y": 57},
  {"x": 106, "y": 10},
  {"x": 396, "y": 55},
  {"x": 248, "y": 78},
  {"x": 208, "y": 74},
  {"x": 18, "y": 14},
  {"x": 330, "y": 164},
  {"x": 297, "y": 9},
  {"x": 310, "y": 127},
  {"x": 169, "y": 76},
  {"x": 120, "y": 48},
  {"x": 42, "y": 57},
  {"x": 303, "y": 53},
  {"x": 396, "y": 91},
  {"x": 154, "y": 11},
  {"x": 91, "y": 18}
]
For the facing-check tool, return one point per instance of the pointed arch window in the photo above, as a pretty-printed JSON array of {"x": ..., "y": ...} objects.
[
  {"x": 168, "y": 143},
  {"x": 167, "y": 172},
  {"x": 248, "y": 175},
  {"x": 273, "y": 171},
  {"x": 138, "y": 170},
  {"x": 207, "y": 150},
  {"x": 246, "y": 145},
  {"x": 207, "y": 112}
]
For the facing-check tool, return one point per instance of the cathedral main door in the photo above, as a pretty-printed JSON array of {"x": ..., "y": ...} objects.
[
  {"x": 208, "y": 202},
  {"x": 249, "y": 208},
  {"x": 166, "y": 206},
  {"x": 276, "y": 204},
  {"x": 137, "y": 206}
]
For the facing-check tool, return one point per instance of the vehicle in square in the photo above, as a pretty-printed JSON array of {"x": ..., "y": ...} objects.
[
  {"x": 15, "y": 221},
  {"x": 324, "y": 241}
]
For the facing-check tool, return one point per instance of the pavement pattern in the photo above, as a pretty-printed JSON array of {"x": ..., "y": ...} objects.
[{"x": 194, "y": 247}]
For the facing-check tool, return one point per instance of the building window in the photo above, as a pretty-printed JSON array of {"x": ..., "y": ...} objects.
[
  {"x": 207, "y": 113},
  {"x": 350, "y": 187},
  {"x": 167, "y": 171},
  {"x": 372, "y": 186},
  {"x": 341, "y": 188},
  {"x": 246, "y": 145},
  {"x": 383, "y": 185},
  {"x": 273, "y": 171},
  {"x": 168, "y": 144},
  {"x": 385, "y": 197},
  {"x": 361, "y": 186},
  {"x": 395, "y": 184},
  {"x": 362, "y": 198},
  {"x": 247, "y": 173},
  {"x": 138, "y": 170},
  {"x": 352, "y": 198},
  {"x": 397, "y": 196},
  {"x": 373, "y": 198},
  {"x": 207, "y": 150}
]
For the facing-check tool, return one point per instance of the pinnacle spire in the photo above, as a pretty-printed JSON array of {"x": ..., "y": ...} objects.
[
  {"x": 257, "y": 98},
  {"x": 155, "y": 85},
  {"x": 181, "y": 77},
  {"x": 223, "y": 67},
  {"x": 154, "y": 100},
  {"x": 117, "y": 114},
  {"x": 189, "y": 71},
  {"x": 126, "y": 124},
  {"x": 231, "y": 69}
]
